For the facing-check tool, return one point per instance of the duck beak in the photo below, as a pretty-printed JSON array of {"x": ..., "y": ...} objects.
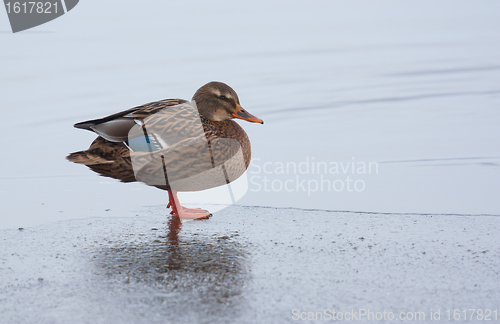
[{"x": 245, "y": 115}]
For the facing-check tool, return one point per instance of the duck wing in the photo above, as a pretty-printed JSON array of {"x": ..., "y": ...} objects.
[
  {"x": 208, "y": 163},
  {"x": 190, "y": 165},
  {"x": 115, "y": 128}
]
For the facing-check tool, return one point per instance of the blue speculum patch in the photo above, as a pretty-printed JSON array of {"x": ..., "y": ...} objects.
[{"x": 146, "y": 143}]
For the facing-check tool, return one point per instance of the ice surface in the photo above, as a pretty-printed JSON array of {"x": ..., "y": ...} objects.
[
  {"x": 247, "y": 265},
  {"x": 409, "y": 88}
]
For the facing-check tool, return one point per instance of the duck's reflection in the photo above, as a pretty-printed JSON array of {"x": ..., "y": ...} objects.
[{"x": 193, "y": 276}]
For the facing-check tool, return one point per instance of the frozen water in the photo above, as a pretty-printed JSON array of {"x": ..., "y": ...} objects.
[
  {"x": 247, "y": 265},
  {"x": 407, "y": 93}
]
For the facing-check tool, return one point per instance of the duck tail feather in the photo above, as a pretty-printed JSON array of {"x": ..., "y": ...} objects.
[
  {"x": 86, "y": 158},
  {"x": 85, "y": 125}
]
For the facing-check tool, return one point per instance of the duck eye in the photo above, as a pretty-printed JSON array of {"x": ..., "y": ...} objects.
[{"x": 223, "y": 97}]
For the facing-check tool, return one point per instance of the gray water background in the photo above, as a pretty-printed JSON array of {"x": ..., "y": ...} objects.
[{"x": 412, "y": 86}]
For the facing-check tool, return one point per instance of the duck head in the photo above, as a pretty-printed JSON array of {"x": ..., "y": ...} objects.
[{"x": 219, "y": 102}]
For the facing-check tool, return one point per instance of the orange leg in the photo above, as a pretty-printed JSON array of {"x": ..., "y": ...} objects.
[{"x": 183, "y": 212}]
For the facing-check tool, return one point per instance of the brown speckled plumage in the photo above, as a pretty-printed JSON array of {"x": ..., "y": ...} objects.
[{"x": 193, "y": 152}]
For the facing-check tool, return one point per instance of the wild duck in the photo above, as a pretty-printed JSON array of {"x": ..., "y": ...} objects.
[{"x": 173, "y": 144}]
